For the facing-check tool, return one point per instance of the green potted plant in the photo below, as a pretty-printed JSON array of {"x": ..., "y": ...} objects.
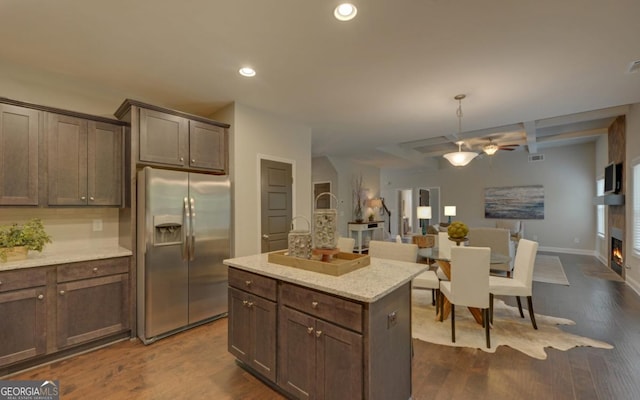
[{"x": 16, "y": 240}]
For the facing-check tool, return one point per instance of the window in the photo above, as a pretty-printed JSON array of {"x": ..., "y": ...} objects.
[
  {"x": 636, "y": 205},
  {"x": 600, "y": 208}
]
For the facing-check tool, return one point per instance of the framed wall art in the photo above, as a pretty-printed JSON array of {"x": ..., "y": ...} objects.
[{"x": 514, "y": 202}]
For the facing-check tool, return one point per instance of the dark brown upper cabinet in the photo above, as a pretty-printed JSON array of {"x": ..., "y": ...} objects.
[
  {"x": 19, "y": 130},
  {"x": 84, "y": 160}
]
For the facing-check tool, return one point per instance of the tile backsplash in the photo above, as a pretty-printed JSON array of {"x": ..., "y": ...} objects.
[{"x": 69, "y": 227}]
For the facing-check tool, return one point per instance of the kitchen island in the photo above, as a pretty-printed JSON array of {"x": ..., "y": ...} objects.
[{"x": 312, "y": 335}]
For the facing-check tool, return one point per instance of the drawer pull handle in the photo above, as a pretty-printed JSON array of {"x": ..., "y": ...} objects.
[
  {"x": 181, "y": 159},
  {"x": 62, "y": 293},
  {"x": 250, "y": 304},
  {"x": 83, "y": 198},
  {"x": 91, "y": 198},
  {"x": 310, "y": 330},
  {"x": 193, "y": 161},
  {"x": 248, "y": 283},
  {"x": 318, "y": 333},
  {"x": 40, "y": 297},
  {"x": 95, "y": 269},
  {"x": 314, "y": 304}
]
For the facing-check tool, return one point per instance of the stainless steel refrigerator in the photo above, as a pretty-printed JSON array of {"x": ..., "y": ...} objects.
[{"x": 183, "y": 236}]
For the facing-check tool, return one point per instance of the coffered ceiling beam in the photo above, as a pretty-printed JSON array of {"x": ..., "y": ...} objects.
[{"x": 530, "y": 131}]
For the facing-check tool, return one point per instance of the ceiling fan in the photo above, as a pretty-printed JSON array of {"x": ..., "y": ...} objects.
[{"x": 491, "y": 148}]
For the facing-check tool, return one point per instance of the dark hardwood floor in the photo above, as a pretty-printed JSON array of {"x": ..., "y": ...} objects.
[{"x": 195, "y": 364}]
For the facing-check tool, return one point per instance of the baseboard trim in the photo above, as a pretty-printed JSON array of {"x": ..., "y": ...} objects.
[
  {"x": 568, "y": 251},
  {"x": 633, "y": 284}
]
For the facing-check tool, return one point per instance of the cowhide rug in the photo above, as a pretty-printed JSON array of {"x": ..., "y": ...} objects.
[{"x": 508, "y": 329}]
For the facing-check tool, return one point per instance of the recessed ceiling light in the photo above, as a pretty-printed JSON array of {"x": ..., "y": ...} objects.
[
  {"x": 345, "y": 12},
  {"x": 247, "y": 71}
]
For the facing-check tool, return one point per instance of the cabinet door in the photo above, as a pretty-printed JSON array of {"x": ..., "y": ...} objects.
[
  {"x": 163, "y": 138},
  {"x": 67, "y": 159},
  {"x": 296, "y": 357},
  {"x": 339, "y": 362},
  {"x": 207, "y": 147},
  {"x": 92, "y": 308},
  {"x": 263, "y": 356},
  {"x": 23, "y": 331},
  {"x": 19, "y": 129},
  {"x": 239, "y": 332},
  {"x": 104, "y": 161},
  {"x": 252, "y": 331}
]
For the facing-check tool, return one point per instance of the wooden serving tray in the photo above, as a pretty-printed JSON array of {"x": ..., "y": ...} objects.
[{"x": 340, "y": 264}]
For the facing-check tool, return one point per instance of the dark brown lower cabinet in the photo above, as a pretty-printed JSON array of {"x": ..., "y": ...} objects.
[
  {"x": 91, "y": 308},
  {"x": 44, "y": 310},
  {"x": 24, "y": 324},
  {"x": 252, "y": 331},
  {"x": 317, "y": 359}
]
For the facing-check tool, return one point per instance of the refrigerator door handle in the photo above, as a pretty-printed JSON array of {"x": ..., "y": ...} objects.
[
  {"x": 185, "y": 230},
  {"x": 192, "y": 229}
]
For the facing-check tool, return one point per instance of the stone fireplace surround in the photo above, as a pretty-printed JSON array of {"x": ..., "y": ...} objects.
[{"x": 616, "y": 213}]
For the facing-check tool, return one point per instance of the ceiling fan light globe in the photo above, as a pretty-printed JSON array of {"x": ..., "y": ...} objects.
[{"x": 490, "y": 149}]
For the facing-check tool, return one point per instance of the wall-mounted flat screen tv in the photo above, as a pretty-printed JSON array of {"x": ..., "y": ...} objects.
[{"x": 612, "y": 178}]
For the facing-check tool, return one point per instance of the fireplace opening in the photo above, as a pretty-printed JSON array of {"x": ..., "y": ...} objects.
[{"x": 617, "y": 260}]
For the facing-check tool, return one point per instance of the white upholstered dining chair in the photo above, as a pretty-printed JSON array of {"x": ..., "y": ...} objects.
[
  {"x": 346, "y": 244},
  {"x": 469, "y": 284},
  {"x": 498, "y": 240},
  {"x": 522, "y": 282},
  {"x": 406, "y": 252}
]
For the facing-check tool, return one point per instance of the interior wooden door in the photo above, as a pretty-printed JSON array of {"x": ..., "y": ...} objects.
[{"x": 276, "y": 208}]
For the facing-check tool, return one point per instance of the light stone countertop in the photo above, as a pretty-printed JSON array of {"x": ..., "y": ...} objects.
[
  {"x": 64, "y": 256},
  {"x": 367, "y": 284}
]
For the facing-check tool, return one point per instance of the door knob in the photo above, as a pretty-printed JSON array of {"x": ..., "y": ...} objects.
[
  {"x": 62, "y": 292},
  {"x": 40, "y": 297},
  {"x": 265, "y": 236}
]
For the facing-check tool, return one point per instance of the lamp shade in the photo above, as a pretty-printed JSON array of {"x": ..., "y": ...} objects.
[
  {"x": 375, "y": 203},
  {"x": 460, "y": 158},
  {"x": 424, "y": 212},
  {"x": 450, "y": 211}
]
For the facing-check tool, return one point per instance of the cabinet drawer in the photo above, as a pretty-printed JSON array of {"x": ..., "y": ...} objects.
[
  {"x": 253, "y": 283},
  {"x": 92, "y": 269},
  {"x": 333, "y": 309},
  {"x": 22, "y": 279}
]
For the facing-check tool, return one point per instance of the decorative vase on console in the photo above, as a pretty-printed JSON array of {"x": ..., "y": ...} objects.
[{"x": 358, "y": 213}]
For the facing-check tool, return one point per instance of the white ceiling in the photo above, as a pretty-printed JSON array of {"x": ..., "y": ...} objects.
[{"x": 375, "y": 89}]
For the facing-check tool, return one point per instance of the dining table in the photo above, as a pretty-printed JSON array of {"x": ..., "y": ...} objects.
[{"x": 444, "y": 262}]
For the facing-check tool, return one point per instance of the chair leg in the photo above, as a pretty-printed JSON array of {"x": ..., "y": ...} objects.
[
  {"x": 441, "y": 304},
  {"x": 491, "y": 307},
  {"x": 433, "y": 297},
  {"x": 533, "y": 318},
  {"x": 486, "y": 327},
  {"x": 453, "y": 323},
  {"x": 520, "y": 306}
]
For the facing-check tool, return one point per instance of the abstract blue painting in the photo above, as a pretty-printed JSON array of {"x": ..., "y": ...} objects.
[{"x": 514, "y": 202}]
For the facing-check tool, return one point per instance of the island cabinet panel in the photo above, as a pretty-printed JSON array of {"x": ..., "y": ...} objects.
[
  {"x": 19, "y": 131},
  {"x": 252, "y": 321},
  {"x": 23, "y": 311},
  {"x": 163, "y": 138},
  {"x": 252, "y": 331},
  {"x": 92, "y": 300},
  {"x": 318, "y": 359},
  {"x": 84, "y": 160}
]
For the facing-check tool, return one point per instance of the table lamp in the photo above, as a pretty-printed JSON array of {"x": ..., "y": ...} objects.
[
  {"x": 449, "y": 211},
  {"x": 424, "y": 212}
]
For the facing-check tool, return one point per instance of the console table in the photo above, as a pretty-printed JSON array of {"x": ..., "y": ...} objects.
[{"x": 358, "y": 227}]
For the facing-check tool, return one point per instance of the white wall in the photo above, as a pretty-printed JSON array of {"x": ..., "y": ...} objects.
[
  {"x": 632, "y": 261},
  {"x": 567, "y": 175},
  {"x": 347, "y": 171},
  {"x": 256, "y": 135}
]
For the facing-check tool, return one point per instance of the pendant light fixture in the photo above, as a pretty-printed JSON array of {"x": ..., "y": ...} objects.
[{"x": 460, "y": 158}]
